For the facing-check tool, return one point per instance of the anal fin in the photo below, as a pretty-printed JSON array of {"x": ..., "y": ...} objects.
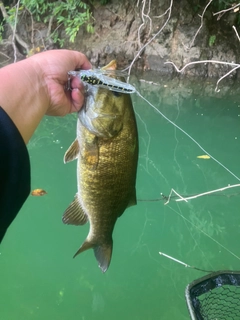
[{"x": 74, "y": 214}]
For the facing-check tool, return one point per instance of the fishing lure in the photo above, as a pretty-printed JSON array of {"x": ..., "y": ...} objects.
[{"x": 101, "y": 78}]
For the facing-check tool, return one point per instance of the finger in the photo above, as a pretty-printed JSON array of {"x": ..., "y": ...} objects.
[
  {"x": 81, "y": 61},
  {"x": 76, "y": 83},
  {"x": 77, "y": 100}
]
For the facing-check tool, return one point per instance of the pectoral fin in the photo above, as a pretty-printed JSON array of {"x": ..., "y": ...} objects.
[
  {"x": 74, "y": 214},
  {"x": 72, "y": 152}
]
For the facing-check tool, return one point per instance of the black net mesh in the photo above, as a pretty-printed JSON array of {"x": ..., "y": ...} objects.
[{"x": 215, "y": 296}]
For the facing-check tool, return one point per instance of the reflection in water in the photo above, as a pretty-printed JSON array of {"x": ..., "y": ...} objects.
[
  {"x": 98, "y": 303},
  {"x": 50, "y": 129},
  {"x": 189, "y": 136}
]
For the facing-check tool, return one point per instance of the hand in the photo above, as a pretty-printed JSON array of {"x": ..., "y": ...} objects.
[
  {"x": 36, "y": 86},
  {"x": 54, "y": 66}
]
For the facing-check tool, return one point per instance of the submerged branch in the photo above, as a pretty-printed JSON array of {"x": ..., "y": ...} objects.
[
  {"x": 231, "y": 64},
  {"x": 200, "y": 194},
  {"x": 182, "y": 263},
  {"x": 200, "y": 62}
]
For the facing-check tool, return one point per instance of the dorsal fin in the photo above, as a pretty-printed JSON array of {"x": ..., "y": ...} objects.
[{"x": 111, "y": 66}]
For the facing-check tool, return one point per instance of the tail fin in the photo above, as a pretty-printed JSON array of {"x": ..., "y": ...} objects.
[{"x": 103, "y": 253}]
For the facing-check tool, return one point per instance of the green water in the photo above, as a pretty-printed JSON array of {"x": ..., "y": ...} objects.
[{"x": 39, "y": 280}]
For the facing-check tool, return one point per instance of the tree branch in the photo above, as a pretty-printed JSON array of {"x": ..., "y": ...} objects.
[
  {"x": 200, "y": 62},
  {"x": 15, "y": 36},
  {"x": 234, "y": 65},
  {"x": 227, "y": 74},
  {"x": 169, "y": 10},
  {"x": 198, "y": 30},
  {"x": 236, "y": 33},
  {"x": 229, "y": 9}
]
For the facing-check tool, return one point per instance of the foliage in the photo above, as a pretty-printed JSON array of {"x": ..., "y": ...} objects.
[
  {"x": 217, "y": 5},
  {"x": 67, "y": 14},
  {"x": 1, "y": 31},
  {"x": 223, "y": 4},
  {"x": 39, "y": 9},
  {"x": 212, "y": 40},
  {"x": 103, "y": 2}
]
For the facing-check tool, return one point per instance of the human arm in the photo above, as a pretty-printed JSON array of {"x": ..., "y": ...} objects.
[{"x": 31, "y": 88}]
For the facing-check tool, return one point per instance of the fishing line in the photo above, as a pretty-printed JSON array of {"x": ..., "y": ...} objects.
[
  {"x": 176, "y": 146},
  {"x": 149, "y": 138},
  {"x": 190, "y": 137},
  {"x": 192, "y": 196},
  {"x": 207, "y": 235},
  {"x": 205, "y": 151},
  {"x": 98, "y": 78},
  {"x": 183, "y": 263}
]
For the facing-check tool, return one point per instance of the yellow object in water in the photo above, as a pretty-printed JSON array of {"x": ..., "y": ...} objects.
[
  {"x": 205, "y": 156},
  {"x": 38, "y": 192}
]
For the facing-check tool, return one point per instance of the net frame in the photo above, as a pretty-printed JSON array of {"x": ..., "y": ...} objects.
[{"x": 210, "y": 282}]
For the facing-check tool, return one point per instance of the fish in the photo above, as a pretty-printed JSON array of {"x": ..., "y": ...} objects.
[
  {"x": 205, "y": 156},
  {"x": 106, "y": 149},
  {"x": 38, "y": 192}
]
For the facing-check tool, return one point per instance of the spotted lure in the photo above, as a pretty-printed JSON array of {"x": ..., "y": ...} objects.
[{"x": 102, "y": 78}]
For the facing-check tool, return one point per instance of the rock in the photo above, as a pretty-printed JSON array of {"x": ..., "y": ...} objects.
[
  {"x": 178, "y": 42},
  {"x": 121, "y": 31}
]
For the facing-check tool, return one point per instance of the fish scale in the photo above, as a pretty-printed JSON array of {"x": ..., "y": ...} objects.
[{"x": 107, "y": 151}]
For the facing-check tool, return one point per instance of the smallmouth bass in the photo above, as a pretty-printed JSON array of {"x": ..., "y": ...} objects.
[{"x": 106, "y": 148}]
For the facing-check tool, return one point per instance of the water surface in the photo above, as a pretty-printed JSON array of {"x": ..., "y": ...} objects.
[{"x": 40, "y": 280}]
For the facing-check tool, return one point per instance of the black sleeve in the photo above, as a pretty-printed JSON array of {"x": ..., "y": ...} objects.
[{"x": 14, "y": 172}]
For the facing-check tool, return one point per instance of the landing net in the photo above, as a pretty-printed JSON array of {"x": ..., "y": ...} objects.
[{"x": 215, "y": 296}]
